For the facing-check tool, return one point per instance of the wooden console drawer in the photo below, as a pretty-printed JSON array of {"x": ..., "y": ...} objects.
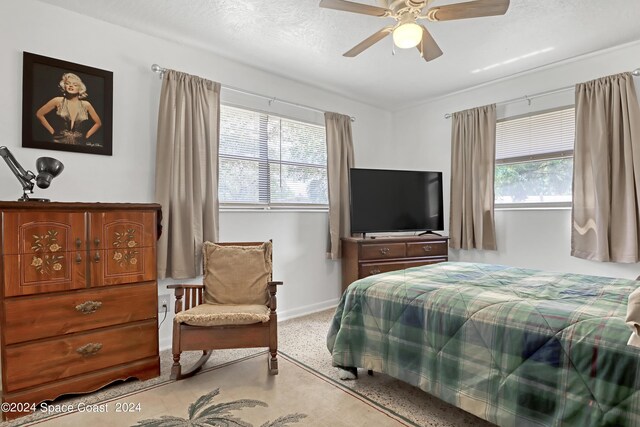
[
  {"x": 62, "y": 357},
  {"x": 38, "y": 317},
  {"x": 427, "y": 248},
  {"x": 382, "y": 250},
  {"x": 369, "y": 269}
]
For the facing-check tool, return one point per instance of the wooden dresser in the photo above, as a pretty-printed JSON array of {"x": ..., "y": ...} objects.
[
  {"x": 79, "y": 298},
  {"x": 366, "y": 257}
]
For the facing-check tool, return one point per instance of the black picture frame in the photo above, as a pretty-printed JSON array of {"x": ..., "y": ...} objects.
[{"x": 86, "y": 109}]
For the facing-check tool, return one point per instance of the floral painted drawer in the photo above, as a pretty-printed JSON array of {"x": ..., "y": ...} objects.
[
  {"x": 43, "y": 252},
  {"x": 60, "y": 251}
]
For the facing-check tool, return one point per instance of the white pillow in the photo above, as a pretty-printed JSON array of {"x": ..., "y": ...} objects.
[{"x": 633, "y": 317}]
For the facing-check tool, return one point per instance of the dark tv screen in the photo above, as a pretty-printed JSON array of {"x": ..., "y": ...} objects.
[{"x": 395, "y": 200}]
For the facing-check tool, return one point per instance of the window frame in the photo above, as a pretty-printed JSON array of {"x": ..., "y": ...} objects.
[
  {"x": 264, "y": 166},
  {"x": 533, "y": 158}
]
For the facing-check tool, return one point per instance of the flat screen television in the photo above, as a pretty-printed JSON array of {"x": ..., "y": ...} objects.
[{"x": 395, "y": 200}]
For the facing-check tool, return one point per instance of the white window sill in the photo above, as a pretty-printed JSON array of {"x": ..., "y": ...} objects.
[
  {"x": 274, "y": 210},
  {"x": 533, "y": 207}
]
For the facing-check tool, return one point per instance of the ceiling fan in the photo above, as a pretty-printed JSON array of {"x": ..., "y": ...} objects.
[{"x": 407, "y": 32}]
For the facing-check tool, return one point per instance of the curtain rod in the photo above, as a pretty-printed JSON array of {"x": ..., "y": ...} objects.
[
  {"x": 528, "y": 98},
  {"x": 158, "y": 69}
]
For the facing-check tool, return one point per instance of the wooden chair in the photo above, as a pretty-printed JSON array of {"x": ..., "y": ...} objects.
[{"x": 228, "y": 332}]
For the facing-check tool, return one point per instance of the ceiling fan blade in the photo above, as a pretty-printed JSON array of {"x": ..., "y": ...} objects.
[
  {"x": 369, "y": 41},
  {"x": 470, "y": 9},
  {"x": 350, "y": 6},
  {"x": 428, "y": 47}
]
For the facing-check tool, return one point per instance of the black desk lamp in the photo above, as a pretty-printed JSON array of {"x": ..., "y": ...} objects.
[{"x": 48, "y": 168}]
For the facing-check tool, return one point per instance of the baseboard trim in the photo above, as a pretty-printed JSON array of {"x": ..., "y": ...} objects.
[
  {"x": 165, "y": 342},
  {"x": 307, "y": 309}
]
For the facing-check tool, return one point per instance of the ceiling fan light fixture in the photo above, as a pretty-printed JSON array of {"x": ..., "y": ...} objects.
[{"x": 407, "y": 35}]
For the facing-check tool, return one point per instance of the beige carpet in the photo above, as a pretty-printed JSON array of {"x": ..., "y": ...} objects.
[{"x": 307, "y": 385}]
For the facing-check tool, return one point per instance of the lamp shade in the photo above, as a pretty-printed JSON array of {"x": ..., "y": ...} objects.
[
  {"x": 48, "y": 168},
  {"x": 407, "y": 35}
]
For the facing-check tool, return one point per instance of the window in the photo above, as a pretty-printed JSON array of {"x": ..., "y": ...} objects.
[
  {"x": 268, "y": 160},
  {"x": 534, "y": 158}
]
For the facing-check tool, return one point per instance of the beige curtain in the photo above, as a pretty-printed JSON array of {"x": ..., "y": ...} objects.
[
  {"x": 187, "y": 172},
  {"x": 473, "y": 147},
  {"x": 606, "y": 171},
  {"x": 339, "y": 161}
]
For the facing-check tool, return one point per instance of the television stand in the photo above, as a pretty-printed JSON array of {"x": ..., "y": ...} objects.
[
  {"x": 364, "y": 257},
  {"x": 429, "y": 232}
]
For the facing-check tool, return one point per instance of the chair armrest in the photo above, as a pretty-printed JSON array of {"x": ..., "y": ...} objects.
[{"x": 272, "y": 287}]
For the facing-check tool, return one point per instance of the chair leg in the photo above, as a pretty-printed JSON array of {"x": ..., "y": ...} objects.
[
  {"x": 206, "y": 354},
  {"x": 273, "y": 362},
  {"x": 273, "y": 343},
  {"x": 176, "y": 368}
]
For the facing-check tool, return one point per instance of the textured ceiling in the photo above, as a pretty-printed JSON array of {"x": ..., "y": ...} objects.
[{"x": 299, "y": 40}]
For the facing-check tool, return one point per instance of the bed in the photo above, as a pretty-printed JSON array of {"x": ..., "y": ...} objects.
[{"x": 517, "y": 347}]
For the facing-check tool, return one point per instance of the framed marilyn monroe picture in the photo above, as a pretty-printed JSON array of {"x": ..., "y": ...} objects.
[{"x": 66, "y": 106}]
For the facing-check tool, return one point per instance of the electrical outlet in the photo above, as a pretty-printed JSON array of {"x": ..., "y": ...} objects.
[{"x": 164, "y": 302}]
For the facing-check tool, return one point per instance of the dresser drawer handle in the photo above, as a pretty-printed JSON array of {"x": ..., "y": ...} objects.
[
  {"x": 374, "y": 271},
  {"x": 96, "y": 257},
  {"x": 96, "y": 242},
  {"x": 427, "y": 248},
  {"x": 78, "y": 243},
  {"x": 384, "y": 251},
  {"x": 89, "y": 349},
  {"x": 78, "y": 259},
  {"x": 88, "y": 307}
]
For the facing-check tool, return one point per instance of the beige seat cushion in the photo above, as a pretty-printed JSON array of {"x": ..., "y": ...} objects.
[
  {"x": 633, "y": 318},
  {"x": 215, "y": 315},
  {"x": 236, "y": 274}
]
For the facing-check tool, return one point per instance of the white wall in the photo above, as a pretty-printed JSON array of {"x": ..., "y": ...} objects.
[
  {"x": 311, "y": 281},
  {"x": 418, "y": 139},
  {"x": 525, "y": 238}
]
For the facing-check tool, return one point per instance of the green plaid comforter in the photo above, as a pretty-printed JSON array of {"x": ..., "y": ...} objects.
[{"x": 514, "y": 346}]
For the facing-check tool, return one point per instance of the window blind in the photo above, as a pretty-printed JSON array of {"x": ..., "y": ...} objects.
[
  {"x": 270, "y": 160},
  {"x": 545, "y": 135}
]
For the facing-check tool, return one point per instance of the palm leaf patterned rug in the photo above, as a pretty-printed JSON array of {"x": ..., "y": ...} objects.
[
  {"x": 236, "y": 394},
  {"x": 205, "y": 412}
]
